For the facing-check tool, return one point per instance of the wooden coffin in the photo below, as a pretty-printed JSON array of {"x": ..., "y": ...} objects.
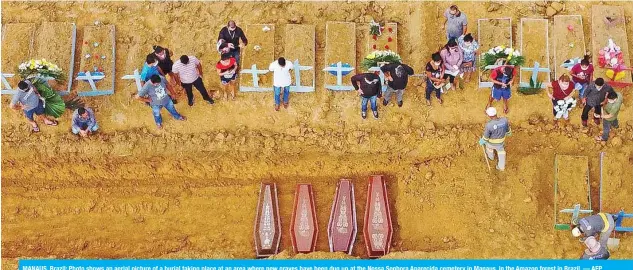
[
  {"x": 378, "y": 229},
  {"x": 303, "y": 227},
  {"x": 267, "y": 223},
  {"x": 342, "y": 226}
]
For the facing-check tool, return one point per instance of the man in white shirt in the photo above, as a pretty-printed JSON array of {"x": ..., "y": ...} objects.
[
  {"x": 188, "y": 73},
  {"x": 281, "y": 79}
]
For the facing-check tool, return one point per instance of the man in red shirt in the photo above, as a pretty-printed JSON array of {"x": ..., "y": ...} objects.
[{"x": 502, "y": 78}]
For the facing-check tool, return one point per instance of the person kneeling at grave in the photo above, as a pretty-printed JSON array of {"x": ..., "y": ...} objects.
[
  {"x": 603, "y": 223},
  {"x": 594, "y": 251},
  {"x": 370, "y": 89},
  {"x": 84, "y": 122}
]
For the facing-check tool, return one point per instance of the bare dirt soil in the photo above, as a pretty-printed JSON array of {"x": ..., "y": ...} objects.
[
  {"x": 16, "y": 50},
  {"x": 573, "y": 188},
  {"x": 301, "y": 45},
  {"x": 190, "y": 191}
]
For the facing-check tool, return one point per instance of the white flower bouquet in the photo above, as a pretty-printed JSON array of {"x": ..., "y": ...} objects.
[
  {"x": 40, "y": 68},
  {"x": 372, "y": 59},
  {"x": 508, "y": 55}
]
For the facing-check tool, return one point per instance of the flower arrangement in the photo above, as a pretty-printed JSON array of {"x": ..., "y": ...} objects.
[
  {"x": 372, "y": 59},
  {"x": 40, "y": 68},
  {"x": 498, "y": 54},
  {"x": 375, "y": 29},
  {"x": 563, "y": 107}
]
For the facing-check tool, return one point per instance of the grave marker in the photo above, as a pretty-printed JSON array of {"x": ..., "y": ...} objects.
[
  {"x": 571, "y": 189},
  {"x": 258, "y": 55},
  {"x": 601, "y": 33},
  {"x": 492, "y": 33},
  {"x": 98, "y": 58},
  {"x": 55, "y": 42},
  {"x": 300, "y": 48},
  {"x": 569, "y": 42},
  {"x": 535, "y": 52},
  {"x": 340, "y": 55},
  {"x": 17, "y": 47}
]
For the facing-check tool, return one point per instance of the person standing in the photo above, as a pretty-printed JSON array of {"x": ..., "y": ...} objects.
[
  {"x": 502, "y": 78},
  {"x": 397, "y": 77},
  {"x": 231, "y": 33},
  {"x": 455, "y": 23},
  {"x": 562, "y": 90},
  {"x": 188, "y": 73},
  {"x": 497, "y": 129},
  {"x": 28, "y": 100},
  {"x": 84, "y": 122},
  {"x": 470, "y": 47},
  {"x": 155, "y": 92},
  {"x": 281, "y": 80},
  {"x": 163, "y": 55},
  {"x": 610, "y": 114},
  {"x": 227, "y": 67},
  {"x": 452, "y": 57},
  {"x": 369, "y": 88},
  {"x": 150, "y": 67},
  {"x": 581, "y": 75},
  {"x": 434, "y": 78},
  {"x": 592, "y": 98}
]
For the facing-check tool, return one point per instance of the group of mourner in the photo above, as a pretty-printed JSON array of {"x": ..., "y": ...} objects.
[{"x": 455, "y": 61}]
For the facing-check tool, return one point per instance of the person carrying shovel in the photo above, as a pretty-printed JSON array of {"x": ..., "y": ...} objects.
[{"x": 494, "y": 137}]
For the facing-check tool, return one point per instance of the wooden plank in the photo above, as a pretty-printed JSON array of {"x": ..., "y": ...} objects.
[
  {"x": 378, "y": 229},
  {"x": 387, "y": 41},
  {"x": 568, "y": 44},
  {"x": 55, "y": 42},
  {"x": 491, "y": 33},
  {"x": 342, "y": 227},
  {"x": 104, "y": 37},
  {"x": 260, "y": 52},
  {"x": 267, "y": 231},
  {"x": 601, "y": 33},
  {"x": 17, "y": 47},
  {"x": 304, "y": 228},
  {"x": 340, "y": 46},
  {"x": 301, "y": 45},
  {"x": 616, "y": 190},
  {"x": 572, "y": 184},
  {"x": 535, "y": 48}
]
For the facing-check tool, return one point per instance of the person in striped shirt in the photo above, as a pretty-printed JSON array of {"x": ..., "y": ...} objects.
[{"x": 188, "y": 73}]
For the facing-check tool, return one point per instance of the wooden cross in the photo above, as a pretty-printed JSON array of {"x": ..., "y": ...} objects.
[
  {"x": 136, "y": 77},
  {"x": 255, "y": 72},
  {"x": 89, "y": 78},
  {"x": 339, "y": 77},
  {"x": 535, "y": 70},
  {"x": 298, "y": 87},
  {"x": 7, "y": 87},
  {"x": 575, "y": 213}
]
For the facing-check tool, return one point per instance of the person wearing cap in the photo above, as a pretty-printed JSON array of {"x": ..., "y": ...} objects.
[
  {"x": 595, "y": 250},
  {"x": 281, "y": 80},
  {"x": 84, "y": 122},
  {"x": 593, "y": 98},
  {"x": 232, "y": 34},
  {"x": 610, "y": 114},
  {"x": 28, "y": 100},
  {"x": 370, "y": 89},
  {"x": 502, "y": 78},
  {"x": 601, "y": 223},
  {"x": 455, "y": 23},
  {"x": 226, "y": 68},
  {"x": 494, "y": 136}
]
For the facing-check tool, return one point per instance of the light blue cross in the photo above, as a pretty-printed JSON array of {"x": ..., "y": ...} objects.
[
  {"x": 255, "y": 73},
  {"x": 298, "y": 87},
  {"x": 535, "y": 70},
  {"x": 575, "y": 213},
  {"x": 89, "y": 78},
  {"x": 339, "y": 77},
  {"x": 571, "y": 63},
  {"x": 7, "y": 87}
]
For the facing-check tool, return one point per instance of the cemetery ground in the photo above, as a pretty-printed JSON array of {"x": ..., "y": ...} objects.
[{"x": 191, "y": 190}]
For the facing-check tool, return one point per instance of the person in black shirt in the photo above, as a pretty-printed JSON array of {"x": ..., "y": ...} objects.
[
  {"x": 434, "y": 78},
  {"x": 397, "y": 77},
  {"x": 232, "y": 34},
  {"x": 370, "y": 89},
  {"x": 163, "y": 55}
]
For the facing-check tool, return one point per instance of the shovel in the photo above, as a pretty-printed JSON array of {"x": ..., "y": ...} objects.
[{"x": 613, "y": 243}]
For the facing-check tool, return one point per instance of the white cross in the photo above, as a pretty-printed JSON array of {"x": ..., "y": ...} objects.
[
  {"x": 7, "y": 87},
  {"x": 339, "y": 77},
  {"x": 136, "y": 77},
  {"x": 571, "y": 63},
  {"x": 535, "y": 70},
  {"x": 255, "y": 72},
  {"x": 91, "y": 80},
  {"x": 575, "y": 213},
  {"x": 298, "y": 87}
]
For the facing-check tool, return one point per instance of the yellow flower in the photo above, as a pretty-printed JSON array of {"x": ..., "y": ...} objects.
[
  {"x": 371, "y": 56},
  {"x": 503, "y": 47}
]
